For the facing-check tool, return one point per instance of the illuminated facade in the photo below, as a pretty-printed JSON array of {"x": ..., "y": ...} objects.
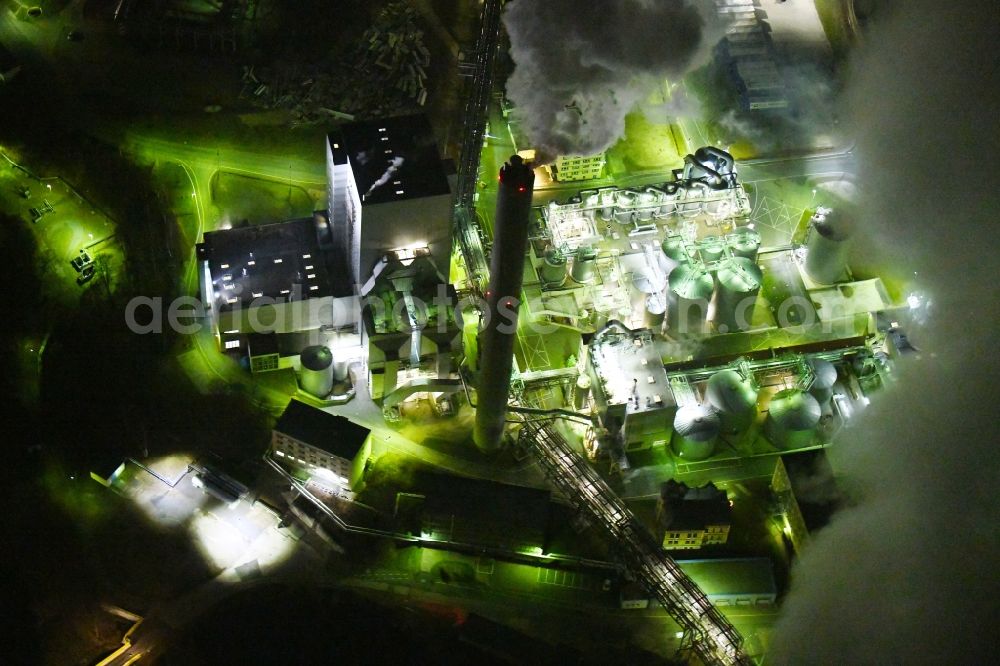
[
  {"x": 693, "y": 517},
  {"x": 575, "y": 167},
  {"x": 330, "y": 448}
]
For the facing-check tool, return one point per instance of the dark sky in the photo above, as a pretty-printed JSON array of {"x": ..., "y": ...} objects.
[{"x": 909, "y": 574}]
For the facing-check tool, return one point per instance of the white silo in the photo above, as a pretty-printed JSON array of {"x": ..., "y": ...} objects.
[
  {"x": 316, "y": 370},
  {"x": 792, "y": 419},
  {"x": 827, "y": 246},
  {"x": 734, "y": 398},
  {"x": 825, "y": 377},
  {"x": 553, "y": 270},
  {"x": 581, "y": 390},
  {"x": 711, "y": 248},
  {"x": 584, "y": 268},
  {"x": 688, "y": 292},
  {"x": 696, "y": 430},
  {"x": 738, "y": 281},
  {"x": 744, "y": 242}
]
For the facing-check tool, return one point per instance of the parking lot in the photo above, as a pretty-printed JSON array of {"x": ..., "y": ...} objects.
[{"x": 237, "y": 540}]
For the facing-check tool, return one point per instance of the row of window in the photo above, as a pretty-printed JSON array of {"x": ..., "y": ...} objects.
[{"x": 305, "y": 454}]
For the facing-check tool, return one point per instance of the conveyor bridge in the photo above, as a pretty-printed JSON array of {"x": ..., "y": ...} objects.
[{"x": 712, "y": 637}]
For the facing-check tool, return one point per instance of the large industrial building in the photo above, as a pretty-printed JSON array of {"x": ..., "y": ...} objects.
[
  {"x": 387, "y": 191},
  {"x": 280, "y": 293},
  {"x": 272, "y": 280}
]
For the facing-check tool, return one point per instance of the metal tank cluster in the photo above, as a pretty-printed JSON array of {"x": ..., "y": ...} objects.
[
  {"x": 320, "y": 370},
  {"x": 719, "y": 269},
  {"x": 729, "y": 407}
]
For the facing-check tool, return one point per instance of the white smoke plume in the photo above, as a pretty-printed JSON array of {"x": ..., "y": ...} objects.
[
  {"x": 580, "y": 67},
  {"x": 907, "y": 574}
]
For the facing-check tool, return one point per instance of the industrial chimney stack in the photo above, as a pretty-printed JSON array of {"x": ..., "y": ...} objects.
[{"x": 496, "y": 340}]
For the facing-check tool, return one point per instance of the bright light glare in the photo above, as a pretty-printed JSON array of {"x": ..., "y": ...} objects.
[
  {"x": 328, "y": 475},
  {"x": 225, "y": 546}
]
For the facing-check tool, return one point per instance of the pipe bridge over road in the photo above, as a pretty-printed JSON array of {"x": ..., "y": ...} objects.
[{"x": 712, "y": 637}]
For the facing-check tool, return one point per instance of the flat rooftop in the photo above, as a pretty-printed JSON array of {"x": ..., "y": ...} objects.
[
  {"x": 333, "y": 434},
  {"x": 481, "y": 512},
  {"x": 279, "y": 261},
  {"x": 751, "y": 575},
  {"x": 629, "y": 369},
  {"x": 393, "y": 159}
]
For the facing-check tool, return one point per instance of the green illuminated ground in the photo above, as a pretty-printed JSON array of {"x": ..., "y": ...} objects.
[{"x": 648, "y": 145}]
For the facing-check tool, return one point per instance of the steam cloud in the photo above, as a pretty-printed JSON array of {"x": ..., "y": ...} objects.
[
  {"x": 908, "y": 574},
  {"x": 580, "y": 67}
]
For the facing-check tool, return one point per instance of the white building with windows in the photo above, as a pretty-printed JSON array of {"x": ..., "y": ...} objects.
[
  {"x": 331, "y": 449},
  {"x": 578, "y": 167}
]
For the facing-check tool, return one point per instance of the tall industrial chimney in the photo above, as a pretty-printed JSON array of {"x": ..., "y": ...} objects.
[{"x": 496, "y": 340}]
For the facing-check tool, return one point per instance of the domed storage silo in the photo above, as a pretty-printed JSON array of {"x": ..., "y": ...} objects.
[
  {"x": 712, "y": 248},
  {"x": 584, "y": 265},
  {"x": 827, "y": 246},
  {"x": 689, "y": 289},
  {"x": 673, "y": 247},
  {"x": 316, "y": 371},
  {"x": 696, "y": 429},
  {"x": 734, "y": 398},
  {"x": 792, "y": 419},
  {"x": 552, "y": 272},
  {"x": 745, "y": 242},
  {"x": 739, "y": 283},
  {"x": 825, "y": 377},
  {"x": 655, "y": 311}
]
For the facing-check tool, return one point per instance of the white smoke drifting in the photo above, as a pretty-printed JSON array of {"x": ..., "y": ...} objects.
[
  {"x": 908, "y": 574},
  {"x": 581, "y": 66}
]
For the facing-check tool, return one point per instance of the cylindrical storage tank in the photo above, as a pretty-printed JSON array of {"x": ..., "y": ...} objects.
[
  {"x": 696, "y": 429},
  {"x": 584, "y": 265},
  {"x": 792, "y": 419},
  {"x": 745, "y": 243},
  {"x": 553, "y": 270},
  {"x": 623, "y": 215},
  {"x": 341, "y": 367},
  {"x": 581, "y": 391},
  {"x": 607, "y": 206},
  {"x": 689, "y": 289},
  {"x": 673, "y": 247},
  {"x": 739, "y": 283},
  {"x": 827, "y": 246},
  {"x": 316, "y": 371},
  {"x": 712, "y": 248},
  {"x": 825, "y": 377},
  {"x": 655, "y": 311},
  {"x": 734, "y": 398}
]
